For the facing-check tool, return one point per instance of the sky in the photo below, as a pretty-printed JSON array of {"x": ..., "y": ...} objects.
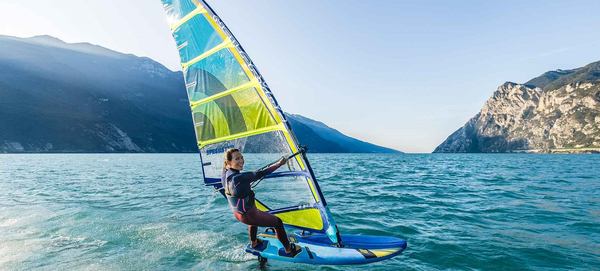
[{"x": 401, "y": 74}]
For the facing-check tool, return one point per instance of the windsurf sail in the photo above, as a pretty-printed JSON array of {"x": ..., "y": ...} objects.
[{"x": 233, "y": 107}]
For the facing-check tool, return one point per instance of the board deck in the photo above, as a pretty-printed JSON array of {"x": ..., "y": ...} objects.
[{"x": 317, "y": 249}]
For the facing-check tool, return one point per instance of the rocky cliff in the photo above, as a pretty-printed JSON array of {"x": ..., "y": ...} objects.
[{"x": 558, "y": 111}]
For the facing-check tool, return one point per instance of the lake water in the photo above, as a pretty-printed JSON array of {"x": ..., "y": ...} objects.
[{"x": 152, "y": 211}]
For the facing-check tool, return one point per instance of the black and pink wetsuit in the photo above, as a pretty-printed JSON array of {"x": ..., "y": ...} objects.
[
  {"x": 238, "y": 188},
  {"x": 240, "y": 196}
]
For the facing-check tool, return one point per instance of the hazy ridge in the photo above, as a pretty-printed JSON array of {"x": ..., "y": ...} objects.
[{"x": 80, "y": 97}]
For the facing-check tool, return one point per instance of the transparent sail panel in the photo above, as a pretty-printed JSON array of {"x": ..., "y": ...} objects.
[
  {"x": 281, "y": 192},
  {"x": 259, "y": 150},
  {"x": 285, "y": 191}
]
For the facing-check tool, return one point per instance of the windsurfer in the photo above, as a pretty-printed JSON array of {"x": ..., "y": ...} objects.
[{"x": 240, "y": 196}]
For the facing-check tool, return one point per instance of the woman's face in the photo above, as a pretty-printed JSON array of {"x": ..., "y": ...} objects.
[{"x": 237, "y": 161}]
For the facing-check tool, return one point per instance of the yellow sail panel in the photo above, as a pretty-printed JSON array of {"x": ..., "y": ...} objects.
[
  {"x": 309, "y": 218},
  {"x": 304, "y": 218}
]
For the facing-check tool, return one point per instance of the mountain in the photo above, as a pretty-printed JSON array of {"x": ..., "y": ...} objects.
[
  {"x": 59, "y": 97},
  {"x": 79, "y": 97},
  {"x": 327, "y": 139},
  {"x": 558, "y": 111}
]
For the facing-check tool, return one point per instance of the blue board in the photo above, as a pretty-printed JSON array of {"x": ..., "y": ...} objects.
[{"x": 318, "y": 249}]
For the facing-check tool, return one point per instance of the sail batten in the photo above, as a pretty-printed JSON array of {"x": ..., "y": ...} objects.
[{"x": 232, "y": 106}]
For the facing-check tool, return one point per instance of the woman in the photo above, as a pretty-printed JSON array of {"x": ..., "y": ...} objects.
[{"x": 239, "y": 193}]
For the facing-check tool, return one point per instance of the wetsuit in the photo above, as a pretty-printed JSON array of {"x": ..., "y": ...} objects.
[{"x": 239, "y": 193}]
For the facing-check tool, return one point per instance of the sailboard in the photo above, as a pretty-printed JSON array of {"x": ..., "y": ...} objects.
[{"x": 233, "y": 107}]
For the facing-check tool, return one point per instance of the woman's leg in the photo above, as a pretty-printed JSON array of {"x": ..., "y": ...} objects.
[
  {"x": 252, "y": 230},
  {"x": 255, "y": 217}
]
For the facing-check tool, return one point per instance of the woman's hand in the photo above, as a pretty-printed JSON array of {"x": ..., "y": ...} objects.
[{"x": 282, "y": 161}]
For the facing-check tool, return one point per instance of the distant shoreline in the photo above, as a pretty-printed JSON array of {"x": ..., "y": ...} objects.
[
  {"x": 561, "y": 151},
  {"x": 550, "y": 151}
]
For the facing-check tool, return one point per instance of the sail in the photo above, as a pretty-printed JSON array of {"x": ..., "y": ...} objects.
[{"x": 232, "y": 106}]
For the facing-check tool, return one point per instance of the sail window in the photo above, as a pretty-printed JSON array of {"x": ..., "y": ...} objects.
[
  {"x": 258, "y": 150},
  {"x": 282, "y": 192}
]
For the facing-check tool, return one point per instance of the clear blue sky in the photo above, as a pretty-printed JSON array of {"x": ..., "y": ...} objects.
[{"x": 403, "y": 74}]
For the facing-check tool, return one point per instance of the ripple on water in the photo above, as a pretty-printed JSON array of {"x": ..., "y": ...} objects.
[{"x": 464, "y": 212}]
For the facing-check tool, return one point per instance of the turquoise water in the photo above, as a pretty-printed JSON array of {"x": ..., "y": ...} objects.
[{"x": 151, "y": 211}]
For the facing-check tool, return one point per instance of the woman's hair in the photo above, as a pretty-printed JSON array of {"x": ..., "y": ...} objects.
[{"x": 229, "y": 156}]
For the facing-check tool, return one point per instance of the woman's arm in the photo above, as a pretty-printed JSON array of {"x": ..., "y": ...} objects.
[{"x": 259, "y": 174}]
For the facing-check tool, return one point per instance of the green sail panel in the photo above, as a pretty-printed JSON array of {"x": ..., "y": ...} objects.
[
  {"x": 232, "y": 106},
  {"x": 239, "y": 112}
]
